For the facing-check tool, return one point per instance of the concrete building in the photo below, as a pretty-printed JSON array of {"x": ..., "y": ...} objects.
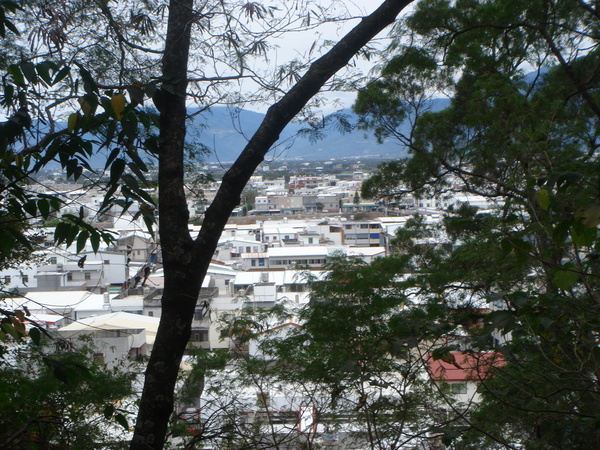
[{"x": 117, "y": 336}]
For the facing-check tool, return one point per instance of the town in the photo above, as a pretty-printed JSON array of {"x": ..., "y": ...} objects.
[
  {"x": 300, "y": 225},
  {"x": 285, "y": 231}
]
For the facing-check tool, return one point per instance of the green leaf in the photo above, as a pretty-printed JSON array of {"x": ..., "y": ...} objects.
[
  {"x": 444, "y": 354},
  {"x": 506, "y": 246},
  {"x": 95, "y": 241},
  {"x": 89, "y": 85},
  {"x": 561, "y": 231},
  {"x": 131, "y": 182},
  {"x": 88, "y": 104},
  {"x": 12, "y": 27},
  {"x": 109, "y": 410},
  {"x": 20, "y": 237},
  {"x": 113, "y": 154},
  {"x": 136, "y": 94},
  {"x": 522, "y": 249},
  {"x": 72, "y": 121},
  {"x": 81, "y": 240},
  {"x": 590, "y": 214},
  {"x": 8, "y": 328},
  {"x": 55, "y": 203},
  {"x": 543, "y": 198},
  {"x": 28, "y": 70},
  {"x": 61, "y": 374},
  {"x": 151, "y": 89},
  {"x": 30, "y": 208},
  {"x": 72, "y": 232},
  {"x": 43, "y": 69},
  {"x": 60, "y": 232},
  {"x": 136, "y": 170},
  {"x": 35, "y": 335},
  {"x": 501, "y": 320},
  {"x": 583, "y": 235},
  {"x": 122, "y": 420},
  {"x": 116, "y": 170},
  {"x": 136, "y": 160},
  {"x": 564, "y": 279},
  {"x": 44, "y": 208},
  {"x": 106, "y": 202},
  {"x": 61, "y": 75},
  {"x": 9, "y": 91},
  {"x": 16, "y": 74}
]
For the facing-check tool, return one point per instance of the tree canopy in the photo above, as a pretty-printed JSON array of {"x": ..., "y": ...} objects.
[{"x": 521, "y": 133}]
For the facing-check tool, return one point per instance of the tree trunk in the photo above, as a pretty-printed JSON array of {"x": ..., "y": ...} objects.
[{"x": 186, "y": 260}]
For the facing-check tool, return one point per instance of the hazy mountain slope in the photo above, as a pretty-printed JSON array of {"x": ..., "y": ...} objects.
[
  {"x": 226, "y": 137},
  {"x": 225, "y": 134}
]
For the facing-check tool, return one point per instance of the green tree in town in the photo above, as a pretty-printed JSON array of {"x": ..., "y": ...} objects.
[
  {"x": 521, "y": 132},
  {"x": 356, "y": 353},
  {"x": 54, "y": 396}
]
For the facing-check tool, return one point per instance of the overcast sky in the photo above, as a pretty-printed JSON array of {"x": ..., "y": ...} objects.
[{"x": 298, "y": 45}]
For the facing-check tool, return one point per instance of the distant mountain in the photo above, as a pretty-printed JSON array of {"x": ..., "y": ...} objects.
[
  {"x": 225, "y": 134},
  {"x": 226, "y": 137}
]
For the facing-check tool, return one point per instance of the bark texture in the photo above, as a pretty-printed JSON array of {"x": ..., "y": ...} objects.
[{"x": 186, "y": 260}]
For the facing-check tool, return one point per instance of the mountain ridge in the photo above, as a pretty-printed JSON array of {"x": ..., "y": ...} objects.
[{"x": 226, "y": 136}]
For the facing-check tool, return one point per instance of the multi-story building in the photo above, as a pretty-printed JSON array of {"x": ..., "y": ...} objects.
[{"x": 364, "y": 234}]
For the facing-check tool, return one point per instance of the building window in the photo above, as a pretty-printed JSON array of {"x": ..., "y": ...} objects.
[
  {"x": 69, "y": 276},
  {"x": 87, "y": 276},
  {"x": 25, "y": 278},
  {"x": 310, "y": 240},
  {"x": 53, "y": 260},
  {"x": 261, "y": 262},
  {"x": 253, "y": 263},
  {"x": 459, "y": 388},
  {"x": 150, "y": 313},
  {"x": 107, "y": 261},
  {"x": 6, "y": 279},
  {"x": 199, "y": 336}
]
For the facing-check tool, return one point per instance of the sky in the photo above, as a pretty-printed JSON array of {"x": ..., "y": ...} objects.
[{"x": 298, "y": 45}]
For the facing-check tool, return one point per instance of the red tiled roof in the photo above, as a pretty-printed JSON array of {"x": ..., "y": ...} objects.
[{"x": 466, "y": 366}]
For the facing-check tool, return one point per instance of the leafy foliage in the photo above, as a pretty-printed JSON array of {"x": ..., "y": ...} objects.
[
  {"x": 357, "y": 353},
  {"x": 525, "y": 270},
  {"x": 59, "y": 398}
]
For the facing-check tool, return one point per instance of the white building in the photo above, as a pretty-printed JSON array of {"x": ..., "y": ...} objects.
[
  {"x": 116, "y": 336},
  {"x": 72, "y": 305}
]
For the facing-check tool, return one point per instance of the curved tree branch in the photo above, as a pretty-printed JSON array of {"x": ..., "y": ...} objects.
[{"x": 185, "y": 261}]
